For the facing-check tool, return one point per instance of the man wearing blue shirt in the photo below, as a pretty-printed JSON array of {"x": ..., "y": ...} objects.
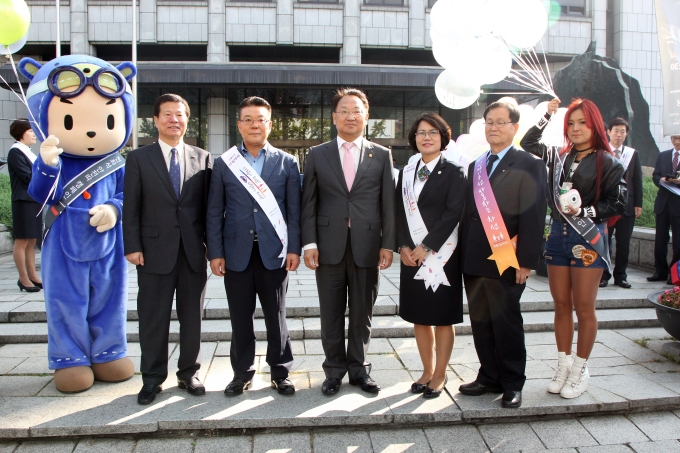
[{"x": 248, "y": 247}]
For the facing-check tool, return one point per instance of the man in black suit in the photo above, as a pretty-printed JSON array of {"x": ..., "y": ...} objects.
[
  {"x": 518, "y": 182},
  {"x": 667, "y": 210},
  {"x": 348, "y": 232},
  {"x": 166, "y": 194},
  {"x": 617, "y": 129}
]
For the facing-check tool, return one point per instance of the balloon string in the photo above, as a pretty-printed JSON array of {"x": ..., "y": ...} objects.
[{"x": 24, "y": 100}]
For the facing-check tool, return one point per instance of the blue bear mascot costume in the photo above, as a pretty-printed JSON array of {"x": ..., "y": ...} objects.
[{"x": 84, "y": 105}]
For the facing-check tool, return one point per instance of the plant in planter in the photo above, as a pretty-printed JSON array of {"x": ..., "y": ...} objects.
[{"x": 667, "y": 305}]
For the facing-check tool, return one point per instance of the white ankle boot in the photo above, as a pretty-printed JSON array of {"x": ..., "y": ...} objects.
[
  {"x": 577, "y": 382},
  {"x": 564, "y": 362}
]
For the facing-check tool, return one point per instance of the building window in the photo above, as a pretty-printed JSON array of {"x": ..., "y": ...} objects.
[
  {"x": 384, "y": 2},
  {"x": 572, "y": 7},
  {"x": 318, "y": 1},
  {"x": 251, "y": 1}
]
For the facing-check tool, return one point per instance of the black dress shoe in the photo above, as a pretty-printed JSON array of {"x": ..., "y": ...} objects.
[
  {"x": 148, "y": 393},
  {"x": 603, "y": 283},
  {"x": 656, "y": 277},
  {"x": 193, "y": 386},
  {"x": 433, "y": 393},
  {"x": 283, "y": 386},
  {"x": 237, "y": 386},
  {"x": 28, "y": 289},
  {"x": 623, "y": 283},
  {"x": 474, "y": 388},
  {"x": 418, "y": 388},
  {"x": 331, "y": 386},
  {"x": 511, "y": 399},
  {"x": 367, "y": 384},
  {"x": 39, "y": 285}
]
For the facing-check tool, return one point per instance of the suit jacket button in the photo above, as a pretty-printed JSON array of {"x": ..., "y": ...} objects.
[{"x": 255, "y": 210}]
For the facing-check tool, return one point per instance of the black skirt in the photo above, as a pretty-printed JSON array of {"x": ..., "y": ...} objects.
[
  {"x": 426, "y": 307},
  {"x": 26, "y": 223}
]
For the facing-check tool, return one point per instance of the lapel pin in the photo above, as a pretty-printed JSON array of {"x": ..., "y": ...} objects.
[
  {"x": 370, "y": 155},
  {"x": 439, "y": 172}
]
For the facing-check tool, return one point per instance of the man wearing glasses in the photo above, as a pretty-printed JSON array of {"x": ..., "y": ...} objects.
[
  {"x": 501, "y": 239},
  {"x": 348, "y": 232},
  {"x": 253, "y": 234}
]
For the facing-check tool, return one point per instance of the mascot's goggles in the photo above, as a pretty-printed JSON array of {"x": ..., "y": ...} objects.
[{"x": 69, "y": 81}]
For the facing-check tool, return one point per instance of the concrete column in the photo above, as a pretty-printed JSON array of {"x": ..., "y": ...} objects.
[
  {"x": 218, "y": 125},
  {"x": 147, "y": 21},
  {"x": 284, "y": 22},
  {"x": 416, "y": 24},
  {"x": 80, "y": 43},
  {"x": 217, "y": 34},
  {"x": 599, "y": 27},
  {"x": 351, "y": 33}
]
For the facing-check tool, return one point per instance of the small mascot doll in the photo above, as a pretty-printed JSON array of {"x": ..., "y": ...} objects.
[{"x": 84, "y": 107}]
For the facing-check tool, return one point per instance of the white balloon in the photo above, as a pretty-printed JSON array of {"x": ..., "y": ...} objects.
[
  {"x": 526, "y": 120},
  {"x": 522, "y": 23},
  {"x": 474, "y": 61},
  {"x": 508, "y": 99},
  {"x": 470, "y": 20},
  {"x": 453, "y": 154},
  {"x": 454, "y": 94},
  {"x": 14, "y": 47},
  {"x": 553, "y": 134},
  {"x": 468, "y": 148},
  {"x": 477, "y": 132}
]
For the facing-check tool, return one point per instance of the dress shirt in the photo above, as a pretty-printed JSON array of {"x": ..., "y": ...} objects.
[
  {"x": 356, "y": 151},
  {"x": 26, "y": 150},
  {"x": 256, "y": 162},
  {"x": 167, "y": 155},
  {"x": 500, "y": 155},
  {"x": 418, "y": 185}
]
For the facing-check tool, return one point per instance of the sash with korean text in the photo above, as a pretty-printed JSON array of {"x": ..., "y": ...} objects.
[
  {"x": 432, "y": 269},
  {"x": 502, "y": 246},
  {"x": 259, "y": 190}
]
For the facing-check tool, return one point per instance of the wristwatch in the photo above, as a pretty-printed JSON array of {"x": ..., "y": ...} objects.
[
  {"x": 402, "y": 247},
  {"x": 425, "y": 247}
]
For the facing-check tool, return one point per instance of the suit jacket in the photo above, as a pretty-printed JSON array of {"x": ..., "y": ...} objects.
[
  {"x": 633, "y": 177},
  {"x": 327, "y": 204},
  {"x": 154, "y": 220},
  {"x": 20, "y": 171},
  {"x": 518, "y": 182},
  {"x": 664, "y": 198},
  {"x": 440, "y": 203},
  {"x": 234, "y": 217}
]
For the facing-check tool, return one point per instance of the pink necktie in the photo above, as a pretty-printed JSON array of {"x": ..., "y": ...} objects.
[
  {"x": 675, "y": 162},
  {"x": 348, "y": 164}
]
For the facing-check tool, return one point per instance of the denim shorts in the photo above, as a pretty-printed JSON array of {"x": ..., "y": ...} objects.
[{"x": 565, "y": 247}]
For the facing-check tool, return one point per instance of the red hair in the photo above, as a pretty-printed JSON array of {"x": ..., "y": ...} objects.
[{"x": 598, "y": 139}]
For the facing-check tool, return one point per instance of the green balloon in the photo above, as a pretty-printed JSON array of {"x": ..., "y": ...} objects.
[{"x": 15, "y": 18}]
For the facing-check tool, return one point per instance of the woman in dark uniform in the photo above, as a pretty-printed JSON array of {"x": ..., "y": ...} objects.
[
  {"x": 27, "y": 223},
  {"x": 430, "y": 197}
]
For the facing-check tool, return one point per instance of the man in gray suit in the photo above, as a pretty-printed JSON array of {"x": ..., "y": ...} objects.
[{"x": 348, "y": 232}]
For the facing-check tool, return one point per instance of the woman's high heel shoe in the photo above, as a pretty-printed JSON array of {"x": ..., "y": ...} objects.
[
  {"x": 432, "y": 393},
  {"x": 39, "y": 285},
  {"x": 28, "y": 289}
]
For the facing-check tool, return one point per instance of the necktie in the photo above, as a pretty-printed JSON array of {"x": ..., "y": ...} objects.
[
  {"x": 489, "y": 164},
  {"x": 618, "y": 153},
  {"x": 175, "y": 174},
  {"x": 348, "y": 164},
  {"x": 675, "y": 161},
  {"x": 423, "y": 173}
]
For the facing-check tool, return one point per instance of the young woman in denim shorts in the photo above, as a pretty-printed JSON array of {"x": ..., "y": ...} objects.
[{"x": 574, "y": 266}]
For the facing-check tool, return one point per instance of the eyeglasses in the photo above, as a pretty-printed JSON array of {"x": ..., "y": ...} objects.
[
  {"x": 346, "y": 114},
  {"x": 498, "y": 124},
  {"x": 432, "y": 134},
  {"x": 257, "y": 122}
]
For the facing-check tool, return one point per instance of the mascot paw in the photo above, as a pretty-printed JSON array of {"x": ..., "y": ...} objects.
[
  {"x": 73, "y": 380},
  {"x": 49, "y": 151},
  {"x": 104, "y": 217},
  {"x": 116, "y": 371}
]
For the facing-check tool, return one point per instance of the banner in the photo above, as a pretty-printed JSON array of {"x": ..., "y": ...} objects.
[{"x": 668, "y": 31}]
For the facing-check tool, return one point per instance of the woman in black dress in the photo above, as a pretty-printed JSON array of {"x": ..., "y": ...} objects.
[
  {"x": 427, "y": 228},
  {"x": 27, "y": 223}
]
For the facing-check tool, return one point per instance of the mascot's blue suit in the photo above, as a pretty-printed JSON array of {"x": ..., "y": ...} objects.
[{"x": 84, "y": 271}]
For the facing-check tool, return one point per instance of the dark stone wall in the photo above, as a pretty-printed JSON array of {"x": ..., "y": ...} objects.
[{"x": 616, "y": 93}]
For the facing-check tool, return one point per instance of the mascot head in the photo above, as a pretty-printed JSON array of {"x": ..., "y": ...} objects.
[{"x": 82, "y": 100}]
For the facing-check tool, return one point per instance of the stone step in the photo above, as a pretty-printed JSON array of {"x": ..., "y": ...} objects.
[
  {"x": 27, "y": 311},
  {"x": 384, "y": 326}
]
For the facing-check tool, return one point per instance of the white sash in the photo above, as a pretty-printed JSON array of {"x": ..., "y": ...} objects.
[
  {"x": 432, "y": 269},
  {"x": 259, "y": 190}
]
